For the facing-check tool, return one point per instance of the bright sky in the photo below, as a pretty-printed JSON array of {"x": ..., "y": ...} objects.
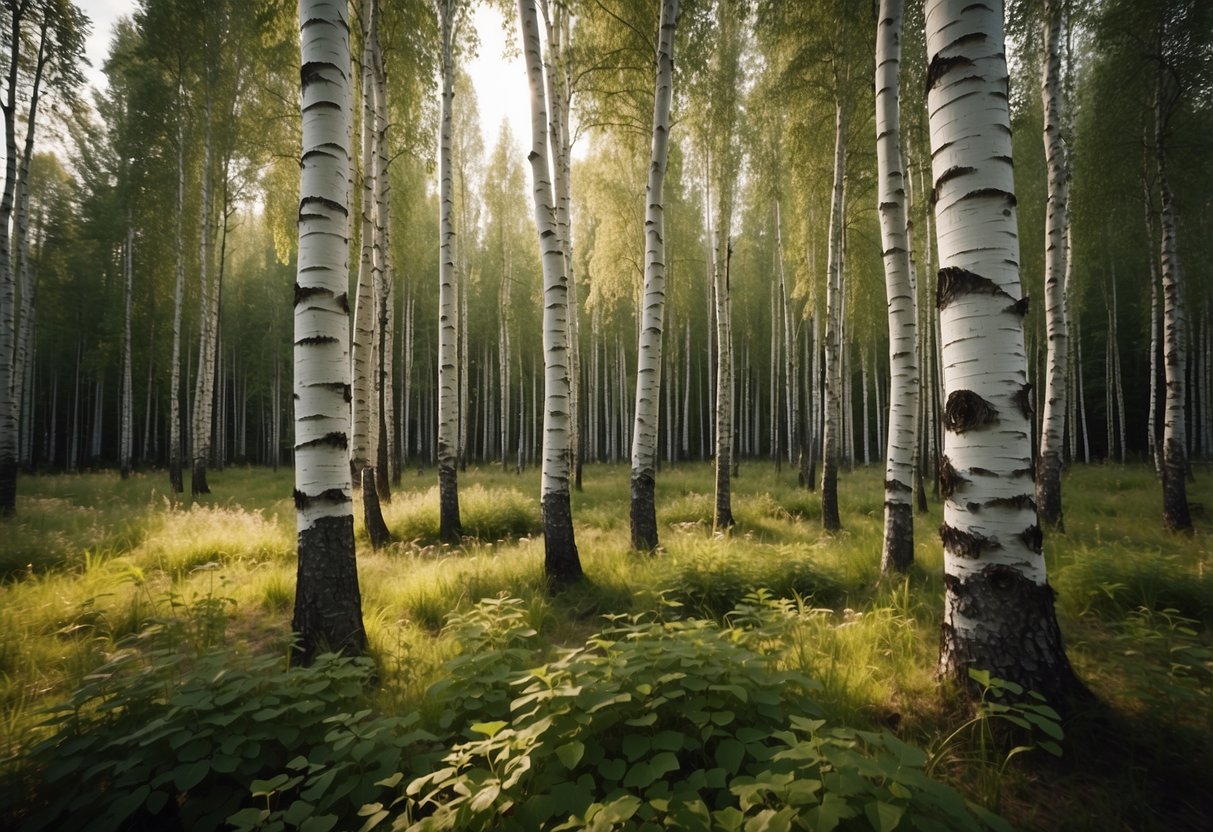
[{"x": 501, "y": 85}]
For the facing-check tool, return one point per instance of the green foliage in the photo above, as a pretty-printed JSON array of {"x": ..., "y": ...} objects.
[
  {"x": 674, "y": 724},
  {"x": 1178, "y": 671},
  {"x": 981, "y": 743},
  {"x": 177, "y": 731}
]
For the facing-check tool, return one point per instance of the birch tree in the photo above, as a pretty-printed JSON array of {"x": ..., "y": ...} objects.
[
  {"x": 998, "y": 607},
  {"x": 328, "y": 606},
  {"x": 1052, "y": 438},
  {"x": 898, "y": 552},
  {"x": 648, "y": 360},
  {"x": 561, "y": 562},
  {"x": 450, "y": 530}
]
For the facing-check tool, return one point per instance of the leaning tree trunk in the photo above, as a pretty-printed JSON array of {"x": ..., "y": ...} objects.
[
  {"x": 450, "y": 530},
  {"x": 648, "y": 356},
  {"x": 561, "y": 562},
  {"x": 898, "y": 551},
  {"x": 998, "y": 606},
  {"x": 328, "y": 606},
  {"x": 1052, "y": 435},
  {"x": 830, "y": 520},
  {"x": 1174, "y": 444}
]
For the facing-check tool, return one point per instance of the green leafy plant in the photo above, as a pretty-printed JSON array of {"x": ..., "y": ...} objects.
[
  {"x": 676, "y": 724},
  {"x": 1003, "y": 717},
  {"x": 178, "y": 731}
]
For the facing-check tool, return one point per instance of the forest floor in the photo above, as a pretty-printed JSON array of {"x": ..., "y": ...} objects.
[{"x": 90, "y": 561}]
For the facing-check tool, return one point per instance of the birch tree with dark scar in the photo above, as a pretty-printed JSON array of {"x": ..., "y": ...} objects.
[
  {"x": 328, "y": 606},
  {"x": 898, "y": 552},
  {"x": 648, "y": 359},
  {"x": 998, "y": 605},
  {"x": 561, "y": 562}
]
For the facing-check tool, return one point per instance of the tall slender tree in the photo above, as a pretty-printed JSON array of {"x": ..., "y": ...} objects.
[
  {"x": 898, "y": 552},
  {"x": 328, "y": 606},
  {"x": 1052, "y": 436},
  {"x": 448, "y": 375},
  {"x": 561, "y": 562},
  {"x": 648, "y": 357},
  {"x": 998, "y": 606}
]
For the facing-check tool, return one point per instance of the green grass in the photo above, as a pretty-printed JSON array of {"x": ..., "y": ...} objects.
[{"x": 90, "y": 559}]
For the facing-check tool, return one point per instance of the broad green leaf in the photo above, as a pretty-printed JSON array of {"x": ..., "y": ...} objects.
[
  {"x": 884, "y": 817},
  {"x": 570, "y": 754}
]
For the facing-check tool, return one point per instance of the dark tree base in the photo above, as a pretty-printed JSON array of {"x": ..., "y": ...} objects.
[
  {"x": 920, "y": 491},
  {"x": 449, "y": 528},
  {"x": 644, "y": 514},
  {"x": 1017, "y": 640},
  {"x": 328, "y": 604},
  {"x": 1048, "y": 492},
  {"x": 174, "y": 476},
  {"x": 1175, "y": 511},
  {"x": 198, "y": 479},
  {"x": 898, "y": 554},
  {"x": 808, "y": 469},
  {"x": 830, "y": 521},
  {"x": 561, "y": 563},
  {"x": 376, "y": 529},
  {"x": 723, "y": 520},
  {"x": 8, "y": 488}
]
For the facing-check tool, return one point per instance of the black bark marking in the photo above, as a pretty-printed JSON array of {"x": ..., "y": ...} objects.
[
  {"x": 1020, "y": 307},
  {"x": 376, "y": 528},
  {"x": 1033, "y": 538},
  {"x": 302, "y": 293},
  {"x": 1023, "y": 398},
  {"x": 947, "y": 176},
  {"x": 964, "y": 544},
  {"x": 332, "y": 495},
  {"x": 940, "y": 66},
  {"x": 343, "y": 302},
  {"x": 1015, "y": 635},
  {"x": 982, "y": 472},
  {"x": 332, "y": 205},
  {"x": 1020, "y": 501},
  {"x": 334, "y": 439},
  {"x": 988, "y": 192},
  {"x": 1029, "y": 472},
  {"x": 965, "y": 411},
  {"x": 955, "y": 283},
  {"x": 316, "y": 340},
  {"x": 949, "y": 478},
  {"x": 898, "y": 486}
]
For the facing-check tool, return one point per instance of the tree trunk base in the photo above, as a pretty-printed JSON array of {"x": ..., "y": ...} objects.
[
  {"x": 175, "y": 481},
  {"x": 830, "y": 520},
  {"x": 450, "y": 530},
  {"x": 376, "y": 529},
  {"x": 8, "y": 488},
  {"x": 898, "y": 554},
  {"x": 1175, "y": 511},
  {"x": 561, "y": 563},
  {"x": 198, "y": 483},
  {"x": 1019, "y": 642},
  {"x": 644, "y": 514},
  {"x": 1048, "y": 493},
  {"x": 328, "y": 604}
]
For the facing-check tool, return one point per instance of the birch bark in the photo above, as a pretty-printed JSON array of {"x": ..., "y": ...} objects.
[
  {"x": 897, "y": 553},
  {"x": 830, "y": 520},
  {"x": 561, "y": 562},
  {"x": 328, "y": 606},
  {"x": 448, "y": 348},
  {"x": 1052, "y": 436},
  {"x": 648, "y": 359},
  {"x": 998, "y": 607}
]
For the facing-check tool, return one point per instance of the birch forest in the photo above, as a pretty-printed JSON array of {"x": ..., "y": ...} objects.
[{"x": 788, "y": 415}]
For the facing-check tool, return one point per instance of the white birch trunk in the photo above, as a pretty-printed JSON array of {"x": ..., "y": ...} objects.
[
  {"x": 998, "y": 608},
  {"x": 448, "y": 347},
  {"x": 899, "y": 457},
  {"x": 328, "y": 611},
  {"x": 125, "y": 439},
  {"x": 1175, "y": 510},
  {"x": 362, "y": 349},
  {"x": 561, "y": 562},
  {"x": 1052, "y": 435},
  {"x": 648, "y": 356},
  {"x": 832, "y": 393},
  {"x": 208, "y": 319}
]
